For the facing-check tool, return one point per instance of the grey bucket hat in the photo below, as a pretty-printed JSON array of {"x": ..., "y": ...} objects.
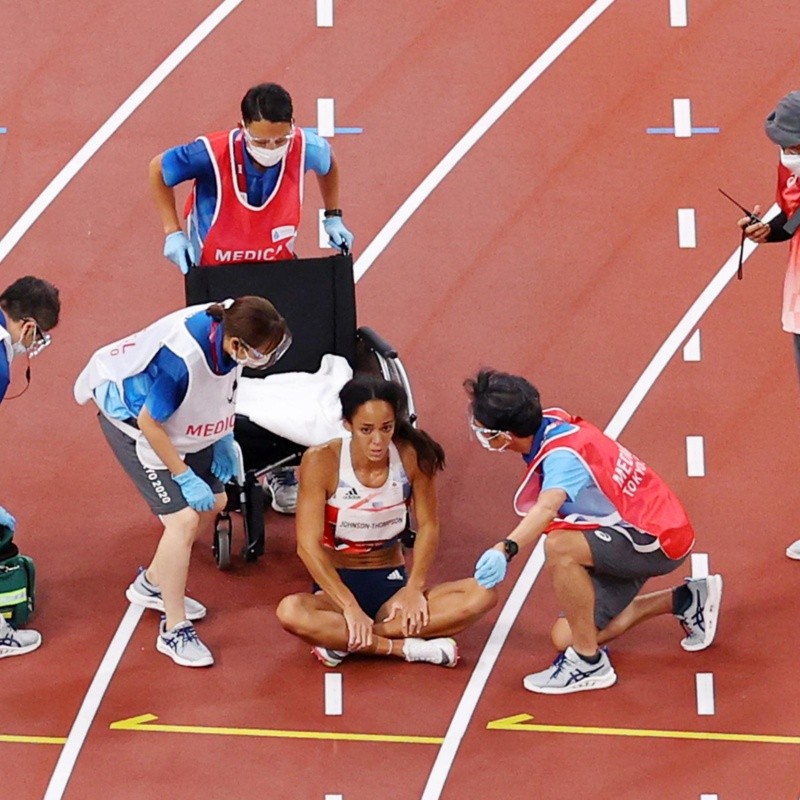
[{"x": 783, "y": 124}]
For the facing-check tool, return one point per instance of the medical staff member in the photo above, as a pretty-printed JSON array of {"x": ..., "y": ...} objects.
[
  {"x": 612, "y": 523},
  {"x": 248, "y": 187},
  {"x": 166, "y": 397},
  {"x": 29, "y": 308},
  {"x": 783, "y": 128}
]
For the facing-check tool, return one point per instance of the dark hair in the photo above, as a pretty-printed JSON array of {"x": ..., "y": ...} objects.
[
  {"x": 267, "y": 101},
  {"x": 34, "y": 298},
  {"x": 363, "y": 388},
  {"x": 253, "y": 319},
  {"x": 505, "y": 402}
]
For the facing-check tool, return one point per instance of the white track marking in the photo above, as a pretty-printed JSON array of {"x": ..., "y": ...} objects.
[
  {"x": 326, "y": 125},
  {"x": 682, "y": 115},
  {"x": 687, "y": 228},
  {"x": 678, "y": 14},
  {"x": 324, "y": 13},
  {"x": 111, "y": 125},
  {"x": 91, "y": 702},
  {"x": 709, "y": 797},
  {"x": 334, "y": 797},
  {"x": 700, "y": 565},
  {"x": 473, "y": 135},
  {"x": 695, "y": 457},
  {"x": 704, "y": 684},
  {"x": 692, "y": 349},
  {"x": 333, "y": 694}
]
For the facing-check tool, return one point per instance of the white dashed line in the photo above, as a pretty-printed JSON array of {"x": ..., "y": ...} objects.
[
  {"x": 682, "y": 115},
  {"x": 678, "y": 13},
  {"x": 704, "y": 683},
  {"x": 341, "y": 797},
  {"x": 691, "y": 350},
  {"x": 695, "y": 457},
  {"x": 700, "y": 565},
  {"x": 324, "y": 13},
  {"x": 687, "y": 230},
  {"x": 325, "y": 123},
  {"x": 333, "y": 694},
  {"x": 709, "y": 797}
]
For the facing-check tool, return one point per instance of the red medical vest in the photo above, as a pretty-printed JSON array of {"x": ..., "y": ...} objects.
[
  {"x": 639, "y": 495},
  {"x": 240, "y": 232},
  {"x": 789, "y": 201}
]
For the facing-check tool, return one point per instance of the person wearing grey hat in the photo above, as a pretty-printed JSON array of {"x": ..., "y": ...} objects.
[{"x": 782, "y": 126}]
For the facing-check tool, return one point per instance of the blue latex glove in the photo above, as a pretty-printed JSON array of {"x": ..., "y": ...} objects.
[
  {"x": 491, "y": 568},
  {"x": 197, "y": 492},
  {"x": 337, "y": 233},
  {"x": 225, "y": 463},
  {"x": 6, "y": 520},
  {"x": 180, "y": 251}
]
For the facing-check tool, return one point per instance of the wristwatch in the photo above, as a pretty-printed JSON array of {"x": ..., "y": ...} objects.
[
  {"x": 511, "y": 548},
  {"x": 332, "y": 212}
]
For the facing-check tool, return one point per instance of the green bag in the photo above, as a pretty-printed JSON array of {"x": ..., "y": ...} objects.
[{"x": 17, "y": 581}]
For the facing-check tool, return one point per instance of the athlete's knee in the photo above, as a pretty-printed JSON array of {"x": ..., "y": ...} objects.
[
  {"x": 291, "y": 613},
  {"x": 183, "y": 526}
]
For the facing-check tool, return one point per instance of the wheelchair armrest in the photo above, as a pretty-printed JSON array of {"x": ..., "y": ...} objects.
[{"x": 376, "y": 343}]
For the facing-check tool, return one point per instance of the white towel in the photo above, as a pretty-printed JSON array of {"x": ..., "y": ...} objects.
[{"x": 303, "y": 407}]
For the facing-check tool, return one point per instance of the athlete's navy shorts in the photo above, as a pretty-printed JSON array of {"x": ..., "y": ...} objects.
[{"x": 372, "y": 587}]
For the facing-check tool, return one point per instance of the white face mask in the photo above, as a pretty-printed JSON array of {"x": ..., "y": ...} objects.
[
  {"x": 791, "y": 162},
  {"x": 265, "y": 156}
]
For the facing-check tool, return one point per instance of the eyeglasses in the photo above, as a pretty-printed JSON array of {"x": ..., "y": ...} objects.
[
  {"x": 39, "y": 341},
  {"x": 484, "y": 435},
  {"x": 263, "y": 360},
  {"x": 277, "y": 141}
]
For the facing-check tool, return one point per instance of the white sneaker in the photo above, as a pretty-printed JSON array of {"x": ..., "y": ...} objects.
[
  {"x": 282, "y": 485},
  {"x": 793, "y": 550},
  {"x": 570, "y": 673},
  {"x": 330, "y": 658},
  {"x": 17, "y": 643},
  {"x": 183, "y": 645},
  {"x": 143, "y": 593},
  {"x": 443, "y": 652},
  {"x": 699, "y": 621}
]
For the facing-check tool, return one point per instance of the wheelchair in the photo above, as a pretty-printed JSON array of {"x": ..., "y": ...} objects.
[{"x": 316, "y": 296}]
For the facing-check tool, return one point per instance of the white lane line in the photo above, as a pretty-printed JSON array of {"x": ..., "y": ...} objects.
[
  {"x": 473, "y": 135},
  {"x": 682, "y": 115},
  {"x": 91, "y": 702},
  {"x": 323, "y": 237},
  {"x": 695, "y": 457},
  {"x": 700, "y": 565},
  {"x": 324, "y": 13},
  {"x": 112, "y": 124},
  {"x": 692, "y": 349},
  {"x": 678, "y": 14},
  {"x": 709, "y": 797},
  {"x": 334, "y": 797},
  {"x": 325, "y": 117},
  {"x": 704, "y": 683},
  {"x": 687, "y": 229},
  {"x": 333, "y": 694}
]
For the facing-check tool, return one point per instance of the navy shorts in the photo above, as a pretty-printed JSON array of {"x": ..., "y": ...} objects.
[
  {"x": 372, "y": 587},
  {"x": 624, "y": 558}
]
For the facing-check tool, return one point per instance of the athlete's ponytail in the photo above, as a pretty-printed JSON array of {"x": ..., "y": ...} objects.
[
  {"x": 252, "y": 319},
  {"x": 363, "y": 388}
]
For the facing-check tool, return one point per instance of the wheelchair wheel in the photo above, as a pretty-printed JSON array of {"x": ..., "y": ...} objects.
[{"x": 222, "y": 540}]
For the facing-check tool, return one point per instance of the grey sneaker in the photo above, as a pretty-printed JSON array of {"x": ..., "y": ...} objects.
[
  {"x": 443, "y": 652},
  {"x": 183, "y": 645},
  {"x": 570, "y": 673},
  {"x": 17, "y": 643},
  {"x": 700, "y": 619},
  {"x": 330, "y": 658},
  {"x": 282, "y": 485},
  {"x": 143, "y": 593},
  {"x": 793, "y": 550}
]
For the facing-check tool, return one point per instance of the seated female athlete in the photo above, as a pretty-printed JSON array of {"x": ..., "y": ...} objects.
[{"x": 352, "y": 511}]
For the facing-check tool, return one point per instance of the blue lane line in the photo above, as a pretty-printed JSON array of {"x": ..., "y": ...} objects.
[
  {"x": 672, "y": 130},
  {"x": 338, "y": 130}
]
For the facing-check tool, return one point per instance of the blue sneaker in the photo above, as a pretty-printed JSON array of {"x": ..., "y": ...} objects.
[
  {"x": 143, "y": 593},
  {"x": 183, "y": 645},
  {"x": 570, "y": 673},
  {"x": 699, "y": 621}
]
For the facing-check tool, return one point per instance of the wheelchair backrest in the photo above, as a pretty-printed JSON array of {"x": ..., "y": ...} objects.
[{"x": 315, "y": 295}]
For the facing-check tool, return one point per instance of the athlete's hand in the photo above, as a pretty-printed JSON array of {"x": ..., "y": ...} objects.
[
  {"x": 491, "y": 568},
  {"x": 180, "y": 251},
  {"x": 756, "y": 231},
  {"x": 7, "y": 521},
  {"x": 411, "y": 606},
  {"x": 225, "y": 461},
  {"x": 359, "y": 628},
  {"x": 338, "y": 235},
  {"x": 196, "y": 491}
]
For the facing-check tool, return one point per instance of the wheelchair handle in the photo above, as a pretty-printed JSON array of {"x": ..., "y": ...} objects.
[{"x": 377, "y": 343}]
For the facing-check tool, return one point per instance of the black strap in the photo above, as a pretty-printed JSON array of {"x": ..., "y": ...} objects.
[{"x": 793, "y": 223}]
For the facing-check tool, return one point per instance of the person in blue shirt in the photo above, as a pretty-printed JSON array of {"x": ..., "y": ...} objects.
[
  {"x": 247, "y": 187},
  {"x": 166, "y": 397},
  {"x": 29, "y": 308}
]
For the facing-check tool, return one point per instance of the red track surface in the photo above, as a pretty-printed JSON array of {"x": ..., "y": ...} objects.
[{"x": 550, "y": 250}]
